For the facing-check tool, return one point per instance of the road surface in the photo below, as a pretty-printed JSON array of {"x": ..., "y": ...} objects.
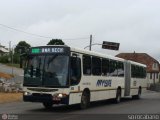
[{"x": 148, "y": 104}]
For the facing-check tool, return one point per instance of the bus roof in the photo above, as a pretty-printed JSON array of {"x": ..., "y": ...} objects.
[
  {"x": 94, "y": 54},
  {"x": 104, "y": 55},
  {"x": 136, "y": 63},
  {"x": 51, "y": 46}
]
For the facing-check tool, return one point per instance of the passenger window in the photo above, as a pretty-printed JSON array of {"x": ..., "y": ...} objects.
[
  {"x": 75, "y": 70},
  {"x": 132, "y": 71},
  {"x": 86, "y": 65},
  {"x": 120, "y": 69},
  {"x": 137, "y": 72},
  {"x": 113, "y": 68},
  {"x": 105, "y": 67},
  {"x": 96, "y": 66}
]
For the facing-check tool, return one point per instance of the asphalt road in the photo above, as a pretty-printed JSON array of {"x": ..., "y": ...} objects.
[{"x": 148, "y": 104}]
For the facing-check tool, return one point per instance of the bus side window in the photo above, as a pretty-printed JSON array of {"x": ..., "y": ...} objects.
[
  {"x": 113, "y": 68},
  {"x": 120, "y": 69},
  {"x": 75, "y": 70},
  {"x": 96, "y": 66},
  {"x": 86, "y": 65},
  {"x": 133, "y": 71},
  {"x": 105, "y": 67}
]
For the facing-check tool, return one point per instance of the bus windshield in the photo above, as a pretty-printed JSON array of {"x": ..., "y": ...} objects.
[{"x": 47, "y": 70}]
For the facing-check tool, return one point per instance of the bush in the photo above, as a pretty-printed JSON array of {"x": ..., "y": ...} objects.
[
  {"x": 16, "y": 58},
  {"x": 4, "y": 59}
]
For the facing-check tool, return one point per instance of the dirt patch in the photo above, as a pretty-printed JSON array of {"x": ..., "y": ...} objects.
[
  {"x": 6, "y": 76},
  {"x": 10, "y": 97}
]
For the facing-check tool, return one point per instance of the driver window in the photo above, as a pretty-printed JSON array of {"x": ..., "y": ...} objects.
[{"x": 75, "y": 70}]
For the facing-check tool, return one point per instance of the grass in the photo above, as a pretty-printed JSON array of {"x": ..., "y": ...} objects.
[
  {"x": 10, "y": 97},
  {"x": 14, "y": 65}
]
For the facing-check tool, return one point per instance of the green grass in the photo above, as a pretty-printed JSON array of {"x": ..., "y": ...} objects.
[{"x": 14, "y": 65}]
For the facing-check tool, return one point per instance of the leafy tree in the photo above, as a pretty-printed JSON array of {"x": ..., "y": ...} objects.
[
  {"x": 22, "y": 47},
  {"x": 16, "y": 58},
  {"x": 20, "y": 52},
  {"x": 4, "y": 59},
  {"x": 56, "y": 42}
]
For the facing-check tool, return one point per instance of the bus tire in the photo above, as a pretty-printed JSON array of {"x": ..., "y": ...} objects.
[
  {"x": 138, "y": 96},
  {"x": 118, "y": 96},
  {"x": 47, "y": 105},
  {"x": 85, "y": 100}
]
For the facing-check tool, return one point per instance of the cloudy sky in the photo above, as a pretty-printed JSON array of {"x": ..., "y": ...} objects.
[{"x": 135, "y": 24}]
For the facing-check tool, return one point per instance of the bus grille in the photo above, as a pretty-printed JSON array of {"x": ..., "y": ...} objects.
[{"x": 42, "y": 90}]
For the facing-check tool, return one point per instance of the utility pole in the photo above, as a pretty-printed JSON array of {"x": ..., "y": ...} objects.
[
  {"x": 9, "y": 46},
  {"x": 90, "y": 42},
  {"x": 10, "y": 53}
]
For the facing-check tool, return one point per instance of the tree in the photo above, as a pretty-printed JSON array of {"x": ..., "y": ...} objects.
[
  {"x": 20, "y": 52},
  {"x": 56, "y": 42},
  {"x": 22, "y": 47}
]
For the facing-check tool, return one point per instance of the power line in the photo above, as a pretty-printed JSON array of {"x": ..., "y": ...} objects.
[
  {"x": 23, "y": 31},
  {"x": 18, "y": 30},
  {"x": 75, "y": 38}
]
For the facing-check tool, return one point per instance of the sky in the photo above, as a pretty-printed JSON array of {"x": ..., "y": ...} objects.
[{"x": 135, "y": 24}]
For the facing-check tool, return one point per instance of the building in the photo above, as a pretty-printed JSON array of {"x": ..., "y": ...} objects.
[
  {"x": 3, "y": 50},
  {"x": 151, "y": 63}
]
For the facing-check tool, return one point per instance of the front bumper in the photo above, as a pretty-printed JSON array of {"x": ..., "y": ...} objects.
[{"x": 37, "y": 97}]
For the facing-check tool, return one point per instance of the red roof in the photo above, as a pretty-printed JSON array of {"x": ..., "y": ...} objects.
[{"x": 141, "y": 58}]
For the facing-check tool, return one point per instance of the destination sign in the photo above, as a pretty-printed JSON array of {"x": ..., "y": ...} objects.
[
  {"x": 52, "y": 50},
  {"x": 47, "y": 50}
]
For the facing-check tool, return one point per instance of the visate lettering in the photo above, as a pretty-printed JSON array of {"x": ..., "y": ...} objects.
[{"x": 104, "y": 83}]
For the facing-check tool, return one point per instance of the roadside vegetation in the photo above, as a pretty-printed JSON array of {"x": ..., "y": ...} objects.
[
  {"x": 10, "y": 97},
  {"x": 6, "y": 76},
  {"x": 14, "y": 65},
  {"x": 17, "y": 57}
]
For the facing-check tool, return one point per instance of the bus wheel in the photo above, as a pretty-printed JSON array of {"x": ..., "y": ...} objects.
[
  {"x": 47, "y": 105},
  {"x": 118, "y": 96},
  {"x": 85, "y": 100},
  {"x": 138, "y": 96}
]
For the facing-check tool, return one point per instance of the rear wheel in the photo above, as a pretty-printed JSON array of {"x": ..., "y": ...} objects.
[
  {"x": 85, "y": 100},
  {"x": 47, "y": 105},
  {"x": 138, "y": 96},
  {"x": 118, "y": 96}
]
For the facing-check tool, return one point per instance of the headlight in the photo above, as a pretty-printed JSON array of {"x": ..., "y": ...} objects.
[
  {"x": 60, "y": 95},
  {"x": 27, "y": 93}
]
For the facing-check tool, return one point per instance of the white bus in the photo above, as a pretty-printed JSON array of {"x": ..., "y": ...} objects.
[{"x": 65, "y": 75}]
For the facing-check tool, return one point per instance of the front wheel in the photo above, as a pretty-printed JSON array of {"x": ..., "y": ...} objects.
[
  {"x": 85, "y": 100},
  {"x": 47, "y": 105}
]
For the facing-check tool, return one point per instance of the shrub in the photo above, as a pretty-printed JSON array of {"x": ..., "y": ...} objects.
[{"x": 4, "y": 59}]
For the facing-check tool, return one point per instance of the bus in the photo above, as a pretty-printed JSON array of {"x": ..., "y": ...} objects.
[{"x": 60, "y": 74}]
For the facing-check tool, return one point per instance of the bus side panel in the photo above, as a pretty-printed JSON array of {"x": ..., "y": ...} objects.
[
  {"x": 135, "y": 86},
  {"x": 127, "y": 79},
  {"x": 75, "y": 98},
  {"x": 103, "y": 95},
  {"x": 102, "y": 92},
  {"x": 136, "y": 83}
]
